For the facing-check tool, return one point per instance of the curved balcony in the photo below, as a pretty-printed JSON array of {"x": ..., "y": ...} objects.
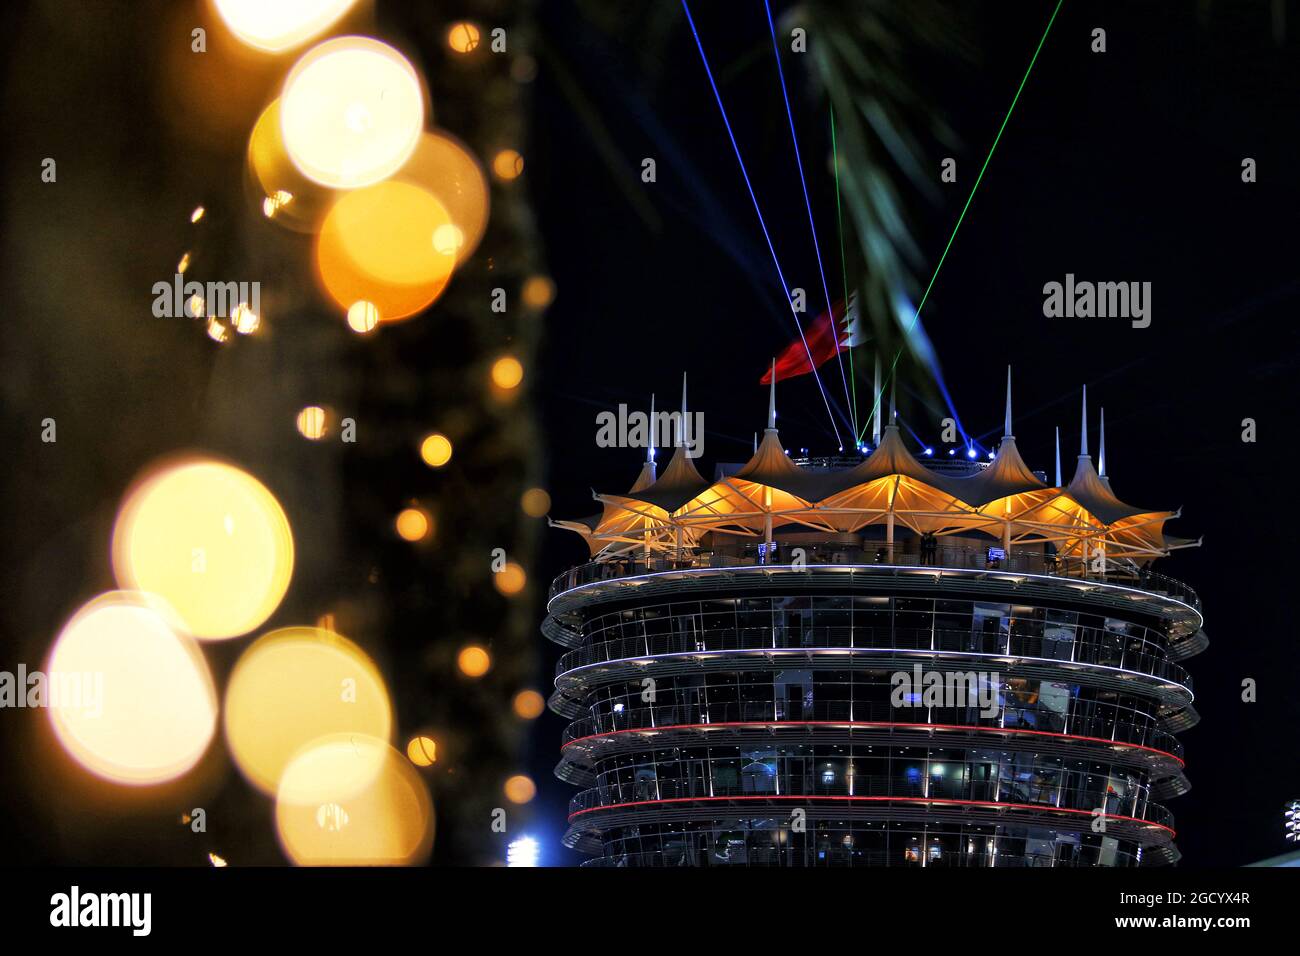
[
  {"x": 904, "y": 554},
  {"x": 967, "y": 797},
  {"x": 1030, "y": 724},
  {"x": 872, "y": 639}
]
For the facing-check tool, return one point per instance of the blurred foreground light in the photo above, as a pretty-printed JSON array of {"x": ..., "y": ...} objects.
[
  {"x": 291, "y": 687},
  {"x": 435, "y": 450},
  {"x": 413, "y": 524},
  {"x": 377, "y": 245},
  {"x": 131, "y": 698},
  {"x": 422, "y": 751},
  {"x": 362, "y": 316},
  {"x": 473, "y": 661},
  {"x": 538, "y": 292},
  {"x": 210, "y": 540},
  {"x": 352, "y": 800},
  {"x": 288, "y": 197},
  {"x": 244, "y": 319},
  {"x": 445, "y": 168},
  {"x": 463, "y": 37},
  {"x": 507, "y": 165},
  {"x": 522, "y": 852},
  {"x": 197, "y": 214},
  {"x": 279, "y": 25},
  {"x": 351, "y": 112},
  {"x": 312, "y": 422},
  {"x": 520, "y": 789},
  {"x": 510, "y": 580},
  {"x": 529, "y": 704},
  {"x": 507, "y": 372},
  {"x": 535, "y": 502}
]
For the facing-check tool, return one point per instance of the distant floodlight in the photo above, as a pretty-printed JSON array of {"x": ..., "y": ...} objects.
[
  {"x": 970, "y": 452},
  {"x": 929, "y": 451},
  {"x": 522, "y": 852}
]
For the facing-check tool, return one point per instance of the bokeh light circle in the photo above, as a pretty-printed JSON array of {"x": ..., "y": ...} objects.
[
  {"x": 376, "y": 245},
  {"x": 422, "y": 751},
  {"x": 210, "y": 540},
  {"x": 352, "y": 800},
  {"x": 445, "y": 168},
  {"x": 435, "y": 449},
  {"x": 144, "y": 709},
  {"x": 473, "y": 661},
  {"x": 351, "y": 112},
  {"x": 279, "y": 25},
  {"x": 292, "y": 686}
]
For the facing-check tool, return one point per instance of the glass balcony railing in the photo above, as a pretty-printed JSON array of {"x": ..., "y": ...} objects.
[
  {"x": 1103, "y": 727},
  {"x": 908, "y": 554},
  {"x": 1068, "y": 656}
]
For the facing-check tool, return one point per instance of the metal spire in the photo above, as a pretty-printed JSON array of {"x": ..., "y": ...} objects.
[
  {"x": 1058, "y": 456},
  {"x": 1083, "y": 438},
  {"x": 875, "y": 405},
  {"x": 1006, "y": 428},
  {"x": 771, "y": 399},
  {"x": 681, "y": 424},
  {"x": 1101, "y": 452},
  {"x": 650, "y": 442}
]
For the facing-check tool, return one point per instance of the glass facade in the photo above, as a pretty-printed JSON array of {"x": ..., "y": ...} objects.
[{"x": 694, "y": 746}]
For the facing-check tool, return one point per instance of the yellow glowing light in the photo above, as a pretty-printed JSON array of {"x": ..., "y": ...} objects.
[
  {"x": 507, "y": 372},
  {"x": 351, "y": 800},
  {"x": 197, "y": 214},
  {"x": 362, "y": 316},
  {"x": 422, "y": 751},
  {"x": 275, "y": 202},
  {"x": 511, "y": 579},
  {"x": 312, "y": 422},
  {"x": 442, "y": 166},
  {"x": 292, "y": 686},
  {"x": 435, "y": 450},
  {"x": 351, "y": 112},
  {"x": 217, "y": 331},
  {"x": 131, "y": 698},
  {"x": 463, "y": 37},
  {"x": 520, "y": 789},
  {"x": 529, "y": 704},
  {"x": 244, "y": 319},
  {"x": 288, "y": 197},
  {"x": 216, "y": 860},
  {"x": 376, "y": 245},
  {"x": 448, "y": 239},
  {"x": 280, "y": 25},
  {"x": 184, "y": 263},
  {"x": 413, "y": 524},
  {"x": 507, "y": 165},
  {"x": 535, "y": 502},
  {"x": 211, "y": 541},
  {"x": 473, "y": 661},
  {"x": 538, "y": 292},
  {"x": 195, "y": 305}
]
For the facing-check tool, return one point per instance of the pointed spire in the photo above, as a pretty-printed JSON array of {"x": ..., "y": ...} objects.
[
  {"x": 1006, "y": 428},
  {"x": 771, "y": 399},
  {"x": 681, "y": 423},
  {"x": 650, "y": 441},
  {"x": 875, "y": 405},
  {"x": 1058, "y": 456},
  {"x": 893, "y": 410},
  {"x": 755, "y": 443},
  {"x": 1083, "y": 436},
  {"x": 1101, "y": 452}
]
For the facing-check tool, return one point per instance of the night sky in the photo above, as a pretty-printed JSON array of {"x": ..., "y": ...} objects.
[{"x": 1117, "y": 166}]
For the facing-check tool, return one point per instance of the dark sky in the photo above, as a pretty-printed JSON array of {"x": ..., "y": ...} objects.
[{"x": 1117, "y": 166}]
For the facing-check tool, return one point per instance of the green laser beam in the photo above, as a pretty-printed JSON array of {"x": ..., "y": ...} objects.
[
  {"x": 978, "y": 179},
  {"x": 844, "y": 268}
]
